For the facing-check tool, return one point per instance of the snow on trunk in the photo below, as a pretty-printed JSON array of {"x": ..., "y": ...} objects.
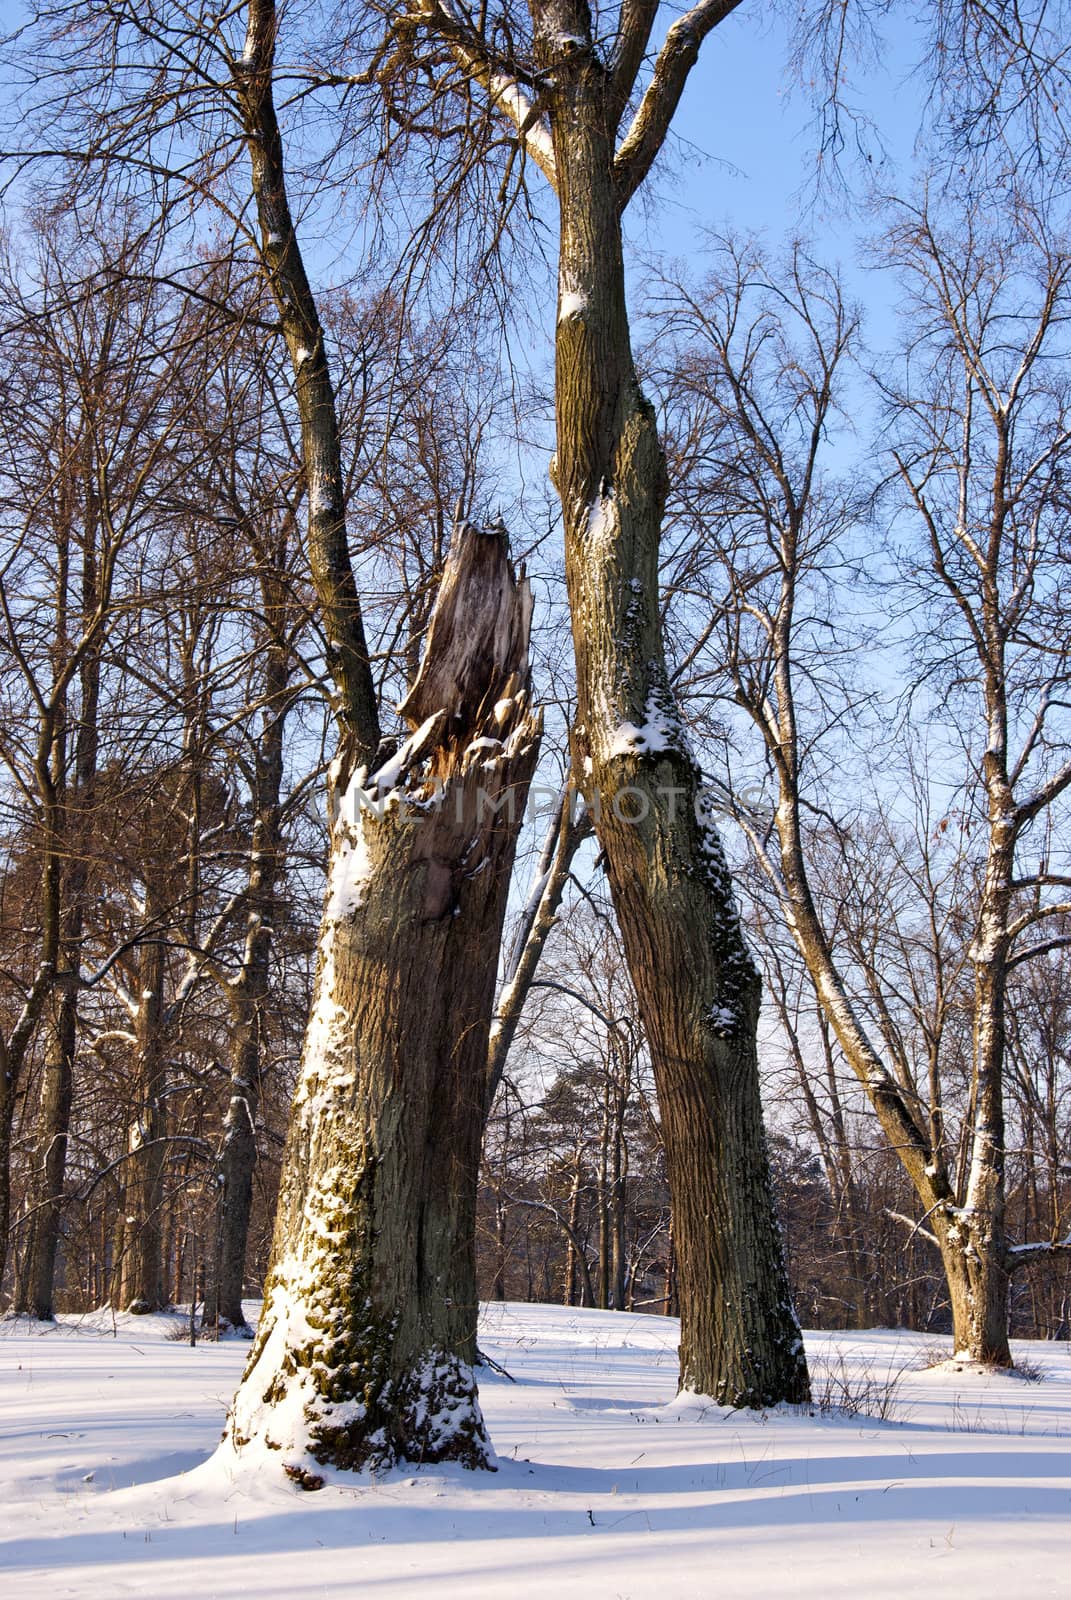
[
  {"x": 366, "y": 1346},
  {"x": 696, "y": 983}
]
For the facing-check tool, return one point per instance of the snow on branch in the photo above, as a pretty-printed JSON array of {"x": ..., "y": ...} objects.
[
  {"x": 1046, "y": 947},
  {"x": 1044, "y": 795},
  {"x": 1031, "y": 919},
  {"x": 498, "y": 78},
  {"x": 917, "y": 1230},
  {"x": 508, "y": 95},
  {"x": 1021, "y": 1255},
  {"x": 676, "y": 59}
]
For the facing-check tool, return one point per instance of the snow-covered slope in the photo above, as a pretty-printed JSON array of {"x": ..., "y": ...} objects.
[{"x": 607, "y": 1485}]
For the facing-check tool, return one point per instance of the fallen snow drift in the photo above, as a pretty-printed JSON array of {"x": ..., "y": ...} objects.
[{"x": 608, "y": 1485}]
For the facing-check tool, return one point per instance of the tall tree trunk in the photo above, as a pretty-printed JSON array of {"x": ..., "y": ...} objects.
[
  {"x": 225, "y": 1251},
  {"x": 618, "y": 1180},
  {"x": 497, "y": 1290},
  {"x": 37, "y": 1278},
  {"x": 696, "y": 984},
  {"x": 669, "y": 1297},
  {"x": 569, "y": 826},
  {"x": 50, "y": 780},
  {"x": 15, "y": 1046},
  {"x": 972, "y": 1239},
  {"x": 366, "y": 1345},
  {"x": 602, "y": 1196},
  {"x": 248, "y": 993},
  {"x": 140, "y": 1282},
  {"x": 572, "y": 1263},
  {"x": 46, "y": 1198},
  {"x": 695, "y": 980},
  {"x": 236, "y": 1165}
]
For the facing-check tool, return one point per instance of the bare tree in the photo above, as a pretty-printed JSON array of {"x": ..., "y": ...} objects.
[
  {"x": 979, "y": 424},
  {"x": 568, "y": 98},
  {"x": 364, "y": 1351},
  {"x": 82, "y": 463}
]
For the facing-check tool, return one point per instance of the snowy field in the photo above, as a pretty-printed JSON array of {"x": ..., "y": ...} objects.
[{"x": 606, "y": 1486}]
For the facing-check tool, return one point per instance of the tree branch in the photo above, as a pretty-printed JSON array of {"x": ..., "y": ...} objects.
[
  {"x": 633, "y": 36},
  {"x": 1044, "y": 795},
  {"x": 1022, "y": 1255},
  {"x": 506, "y": 92},
  {"x": 1058, "y": 942},
  {"x": 284, "y": 268},
  {"x": 566, "y": 832},
  {"x": 661, "y": 98},
  {"x": 916, "y": 1227}
]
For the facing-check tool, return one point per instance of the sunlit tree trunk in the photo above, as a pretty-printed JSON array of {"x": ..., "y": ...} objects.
[
  {"x": 366, "y": 1345},
  {"x": 572, "y": 1264},
  {"x": 695, "y": 980},
  {"x": 75, "y": 812},
  {"x": 365, "y": 1348},
  {"x": 249, "y": 996},
  {"x": 139, "y": 1282},
  {"x": 696, "y": 983}
]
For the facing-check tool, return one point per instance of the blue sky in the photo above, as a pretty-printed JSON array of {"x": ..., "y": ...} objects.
[{"x": 745, "y": 153}]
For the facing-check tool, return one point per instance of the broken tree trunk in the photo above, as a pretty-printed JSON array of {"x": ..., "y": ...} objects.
[{"x": 366, "y": 1345}]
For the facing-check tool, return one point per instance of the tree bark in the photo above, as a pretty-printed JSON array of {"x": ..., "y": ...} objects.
[
  {"x": 618, "y": 1184},
  {"x": 570, "y": 825},
  {"x": 139, "y": 1283},
  {"x": 235, "y": 1168},
  {"x": 697, "y": 986},
  {"x": 572, "y": 1253},
  {"x": 249, "y": 995},
  {"x": 366, "y": 1345},
  {"x": 974, "y": 1247},
  {"x": 35, "y": 1295},
  {"x": 977, "y": 1279},
  {"x": 76, "y": 814}
]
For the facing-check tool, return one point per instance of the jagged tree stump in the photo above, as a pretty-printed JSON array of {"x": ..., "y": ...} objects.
[{"x": 367, "y": 1342}]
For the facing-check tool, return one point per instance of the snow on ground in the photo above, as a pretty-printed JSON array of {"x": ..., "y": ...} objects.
[{"x": 607, "y": 1485}]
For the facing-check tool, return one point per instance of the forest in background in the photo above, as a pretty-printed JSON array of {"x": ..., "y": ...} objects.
[
  {"x": 159, "y": 643},
  {"x": 829, "y": 605}
]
